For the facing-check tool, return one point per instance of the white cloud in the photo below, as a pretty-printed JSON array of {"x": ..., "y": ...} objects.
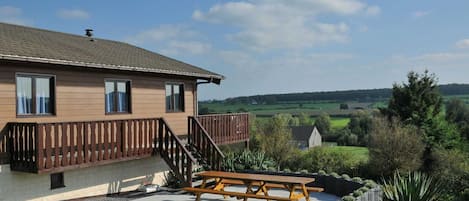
[
  {"x": 464, "y": 43},
  {"x": 373, "y": 10},
  {"x": 162, "y": 33},
  {"x": 419, "y": 14},
  {"x": 192, "y": 47},
  {"x": 172, "y": 40},
  {"x": 13, "y": 15},
  {"x": 275, "y": 24},
  {"x": 73, "y": 14}
]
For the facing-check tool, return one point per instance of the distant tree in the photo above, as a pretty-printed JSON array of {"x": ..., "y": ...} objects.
[
  {"x": 204, "y": 110},
  {"x": 242, "y": 109},
  {"x": 457, "y": 112},
  {"x": 360, "y": 125},
  {"x": 343, "y": 106},
  {"x": 288, "y": 118},
  {"x": 304, "y": 119},
  {"x": 276, "y": 137},
  {"x": 417, "y": 101},
  {"x": 323, "y": 123}
]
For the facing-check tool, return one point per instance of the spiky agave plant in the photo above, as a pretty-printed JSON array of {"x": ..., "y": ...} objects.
[{"x": 415, "y": 186}]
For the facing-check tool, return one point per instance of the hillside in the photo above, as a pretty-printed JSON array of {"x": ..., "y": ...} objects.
[{"x": 362, "y": 95}]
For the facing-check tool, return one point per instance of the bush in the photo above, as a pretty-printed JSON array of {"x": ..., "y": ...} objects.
[
  {"x": 394, "y": 146},
  {"x": 364, "y": 189},
  {"x": 370, "y": 184},
  {"x": 246, "y": 160},
  {"x": 451, "y": 167},
  {"x": 348, "y": 198},
  {"x": 345, "y": 176},
  {"x": 357, "y": 193},
  {"x": 320, "y": 158},
  {"x": 415, "y": 186},
  {"x": 357, "y": 179}
]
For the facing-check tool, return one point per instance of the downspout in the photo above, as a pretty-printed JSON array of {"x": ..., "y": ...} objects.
[{"x": 196, "y": 101}]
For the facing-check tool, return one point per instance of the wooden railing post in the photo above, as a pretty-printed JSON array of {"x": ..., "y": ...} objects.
[{"x": 39, "y": 147}]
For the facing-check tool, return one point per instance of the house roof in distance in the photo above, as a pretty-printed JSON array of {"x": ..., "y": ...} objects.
[
  {"x": 302, "y": 133},
  {"x": 43, "y": 46}
]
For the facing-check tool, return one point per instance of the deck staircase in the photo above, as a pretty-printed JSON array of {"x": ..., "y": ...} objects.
[{"x": 199, "y": 150}]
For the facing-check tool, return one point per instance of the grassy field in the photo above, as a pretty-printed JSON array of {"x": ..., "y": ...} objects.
[
  {"x": 358, "y": 153},
  {"x": 336, "y": 122},
  {"x": 339, "y": 122}
]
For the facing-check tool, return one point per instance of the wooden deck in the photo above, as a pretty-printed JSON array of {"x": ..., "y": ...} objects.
[
  {"x": 226, "y": 128},
  {"x": 59, "y": 146}
]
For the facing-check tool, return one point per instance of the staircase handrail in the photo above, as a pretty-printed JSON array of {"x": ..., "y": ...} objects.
[
  {"x": 208, "y": 137},
  {"x": 182, "y": 168}
]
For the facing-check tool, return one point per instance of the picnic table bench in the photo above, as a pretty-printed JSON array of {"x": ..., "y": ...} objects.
[{"x": 263, "y": 183}]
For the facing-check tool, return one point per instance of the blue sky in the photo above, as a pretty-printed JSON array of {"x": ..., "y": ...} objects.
[{"x": 277, "y": 46}]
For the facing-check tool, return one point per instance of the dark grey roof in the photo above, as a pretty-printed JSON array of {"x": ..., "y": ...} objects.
[
  {"x": 37, "y": 45},
  {"x": 301, "y": 133}
]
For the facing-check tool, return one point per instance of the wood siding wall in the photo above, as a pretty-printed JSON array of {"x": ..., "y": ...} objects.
[{"x": 80, "y": 95}]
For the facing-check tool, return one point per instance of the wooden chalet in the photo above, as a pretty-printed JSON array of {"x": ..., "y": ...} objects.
[{"x": 70, "y": 102}]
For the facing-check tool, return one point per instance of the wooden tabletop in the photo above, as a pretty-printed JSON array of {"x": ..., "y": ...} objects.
[{"x": 257, "y": 177}]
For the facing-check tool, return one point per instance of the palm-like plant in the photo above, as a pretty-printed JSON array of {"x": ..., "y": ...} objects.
[{"x": 415, "y": 186}]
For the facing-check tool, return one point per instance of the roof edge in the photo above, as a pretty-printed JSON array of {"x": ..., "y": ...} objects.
[{"x": 213, "y": 78}]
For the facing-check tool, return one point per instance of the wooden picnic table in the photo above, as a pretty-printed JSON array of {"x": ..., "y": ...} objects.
[{"x": 263, "y": 183}]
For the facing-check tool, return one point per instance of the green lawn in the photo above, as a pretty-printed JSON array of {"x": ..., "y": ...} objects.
[
  {"x": 358, "y": 153},
  {"x": 339, "y": 122}
]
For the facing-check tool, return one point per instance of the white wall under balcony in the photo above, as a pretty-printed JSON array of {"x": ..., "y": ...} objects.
[{"x": 97, "y": 180}]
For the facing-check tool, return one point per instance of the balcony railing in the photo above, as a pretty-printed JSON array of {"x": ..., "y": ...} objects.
[
  {"x": 226, "y": 128},
  {"x": 55, "y": 147}
]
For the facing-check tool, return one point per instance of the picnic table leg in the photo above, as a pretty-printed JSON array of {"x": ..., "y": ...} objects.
[
  {"x": 265, "y": 190},
  {"x": 248, "y": 189},
  {"x": 293, "y": 195},
  {"x": 220, "y": 186},
  {"x": 204, "y": 182},
  {"x": 305, "y": 192}
]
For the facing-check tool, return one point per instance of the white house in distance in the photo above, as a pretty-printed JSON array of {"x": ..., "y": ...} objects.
[{"x": 306, "y": 137}]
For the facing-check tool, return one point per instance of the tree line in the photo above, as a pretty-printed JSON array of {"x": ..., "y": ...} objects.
[{"x": 363, "y": 95}]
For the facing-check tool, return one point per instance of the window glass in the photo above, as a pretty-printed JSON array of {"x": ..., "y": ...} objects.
[
  {"x": 117, "y": 96},
  {"x": 122, "y": 100},
  {"x": 168, "y": 97},
  {"x": 24, "y": 95},
  {"x": 109, "y": 97},
  {"x": 174, "y": 97},
  {"x": 34, "y": 94},
  {"x": 43, "y": 98},
  {"x": 177, "y": 97}
]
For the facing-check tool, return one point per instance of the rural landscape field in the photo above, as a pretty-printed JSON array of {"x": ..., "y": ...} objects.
[{"x": 360, "y": 135}]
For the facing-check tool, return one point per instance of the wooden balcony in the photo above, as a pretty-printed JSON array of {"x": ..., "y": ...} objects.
[
  {"x": 226, "y": 128},
  {"x": 55, "y": 147},
  {"x": 60, "y": 146}
]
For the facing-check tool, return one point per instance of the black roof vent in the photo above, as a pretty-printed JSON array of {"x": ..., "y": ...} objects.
[{"x": 89, "y": 33}]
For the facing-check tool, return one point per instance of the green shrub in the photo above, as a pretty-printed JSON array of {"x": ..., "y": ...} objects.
[
  {"x": 345, "y": 176},
  {"x": 322, "y": 172},
  {"x": 415, "y": 186},
  {"x": 304, "y": 171},
  {"x": 246, "y": 160},
  {"x": 320, "y": 158},
  {"x": 335, "y": 175},
  {"x": 348, "y": 198},
  {"x": 394, "y": 146},
  {"x": 451, "y": 167},
  {"x": 357, "y": 179},
  {"x": 370, "y": 184},
  {"x": 364, "y": 189},
  {"x": 357, "y": 193}
]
